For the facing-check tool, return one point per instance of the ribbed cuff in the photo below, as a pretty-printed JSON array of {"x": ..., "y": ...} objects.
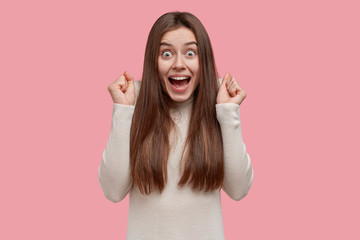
[
  {"x": 227, "y": 112},
  {"x": 123, "y": 106},
  {"x": 123, "y": 112}
]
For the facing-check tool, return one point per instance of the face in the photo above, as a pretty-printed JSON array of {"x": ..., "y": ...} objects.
[{"x": 178, "y": 63}]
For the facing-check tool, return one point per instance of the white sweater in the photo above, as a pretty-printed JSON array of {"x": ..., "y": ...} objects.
[{"x": 176, "y": 213}]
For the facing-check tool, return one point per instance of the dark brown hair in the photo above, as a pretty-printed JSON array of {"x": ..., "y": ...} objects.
[{"x": 203, "y": 158}]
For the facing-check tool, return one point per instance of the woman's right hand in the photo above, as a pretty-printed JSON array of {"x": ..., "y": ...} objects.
[{"x": 122, "y": 91}]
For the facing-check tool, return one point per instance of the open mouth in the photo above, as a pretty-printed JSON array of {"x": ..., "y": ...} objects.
[{"x": 179, "y": 82}]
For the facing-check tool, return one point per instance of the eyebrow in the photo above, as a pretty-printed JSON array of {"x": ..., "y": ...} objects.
[{"x": 188, "y": 43}]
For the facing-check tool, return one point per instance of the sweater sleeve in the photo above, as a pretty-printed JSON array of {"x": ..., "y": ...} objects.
[
  {"x": 238, "y": 170},
  {"x": 114, "y": 170}
]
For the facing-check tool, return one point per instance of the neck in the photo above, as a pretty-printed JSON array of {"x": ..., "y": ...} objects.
[
  {"x": 181, "y": 111},
  {"x": 185, "y": 103}
]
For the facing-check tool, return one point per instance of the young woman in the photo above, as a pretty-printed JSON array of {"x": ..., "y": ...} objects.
[{"x": 175, "y": 137}]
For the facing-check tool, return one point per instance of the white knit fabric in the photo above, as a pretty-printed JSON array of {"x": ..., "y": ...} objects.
[{"x": 176, "y": 213}]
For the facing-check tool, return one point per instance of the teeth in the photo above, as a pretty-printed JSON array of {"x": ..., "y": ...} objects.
[{"x": 179, "y": 78}]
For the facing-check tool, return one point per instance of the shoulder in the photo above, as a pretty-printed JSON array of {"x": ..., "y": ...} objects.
[
  {"x": 219, "y": 81},
  {"x": 137, "y": 85}
]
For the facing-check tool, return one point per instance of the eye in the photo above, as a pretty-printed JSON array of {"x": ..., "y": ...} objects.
[
  {"x": 190, "y": 53},
  {"x": 166, "y": 54}
]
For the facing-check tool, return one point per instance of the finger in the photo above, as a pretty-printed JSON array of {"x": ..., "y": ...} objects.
[
  {"x": 230, "y": 83},
  {"x": 231, "y": 87},
  {"x": 239, "y": 89},
  {"x": 225, "y": 79},
  {"x": 232, "y": 90},
  {"x": 129, "y": 78},
  {"x": 122, "y": 83}
]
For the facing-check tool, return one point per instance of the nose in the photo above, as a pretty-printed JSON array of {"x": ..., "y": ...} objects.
[{"x": 179, "y": 62}]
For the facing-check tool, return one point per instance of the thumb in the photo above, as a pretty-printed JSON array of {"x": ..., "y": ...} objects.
[
  {"x": 225, "y": 80},
  {"x": 129, "y": 78}
]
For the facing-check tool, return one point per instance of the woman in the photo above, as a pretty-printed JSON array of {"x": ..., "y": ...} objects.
[{"x": 175, "y": 141}]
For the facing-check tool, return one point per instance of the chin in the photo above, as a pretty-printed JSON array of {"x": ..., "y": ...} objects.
[{"x": 180, "y": 99}]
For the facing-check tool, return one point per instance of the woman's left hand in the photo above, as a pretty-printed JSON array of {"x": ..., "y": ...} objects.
[{"x": 230, "y": 91}]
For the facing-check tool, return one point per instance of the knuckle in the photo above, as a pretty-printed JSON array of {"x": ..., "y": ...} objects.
[{"x": 120, "y": 78}]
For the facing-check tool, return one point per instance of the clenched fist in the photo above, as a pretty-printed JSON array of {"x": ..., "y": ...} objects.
[
  {"x": 230, "y": 91},
  {"x": 122, "y": 91}
]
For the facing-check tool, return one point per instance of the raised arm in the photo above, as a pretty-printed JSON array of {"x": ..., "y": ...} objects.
[
  {"x": 114, "y": 170},
  {"x": 238, "y": 170}
]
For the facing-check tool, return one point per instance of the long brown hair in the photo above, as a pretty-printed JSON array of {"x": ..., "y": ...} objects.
[{"x": 203, "y": 158}]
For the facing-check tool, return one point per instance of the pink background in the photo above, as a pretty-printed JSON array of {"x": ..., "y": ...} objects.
[{"x": 299, "y": 62}]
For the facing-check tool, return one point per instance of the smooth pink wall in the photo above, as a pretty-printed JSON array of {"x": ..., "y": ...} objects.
[{"x": 298, "y": 61}]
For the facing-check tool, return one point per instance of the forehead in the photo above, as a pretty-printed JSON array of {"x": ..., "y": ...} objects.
[{"x": 179, "y": 35}]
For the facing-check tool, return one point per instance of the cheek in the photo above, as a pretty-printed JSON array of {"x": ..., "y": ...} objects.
[
  {"x": 163, "y": 66},
  {"x": 194, "y": 66},
  {"x": 160, "y": 67}
]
